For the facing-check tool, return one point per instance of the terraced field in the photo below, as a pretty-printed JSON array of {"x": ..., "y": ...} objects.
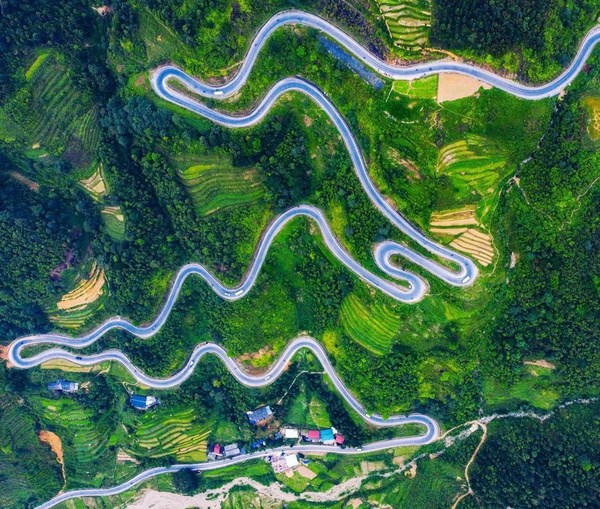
[
  {"x": 21, "y": 480},
  {"x": 408, "y": 21},
  {"x": 81, "y": 303},
  {"x": 460, "y": 225},
  {"x": 474, "y": 165},
  {"x": 114, "y": 221},
  {"x": 54, "y": 112},
  {"x": 374, "y": 327},
  {"x": 84, "y": 436},
  {"x": 216, "y": 184},
  {"x": 166, "y": 433},
  {"x": 95, "y": 184}
]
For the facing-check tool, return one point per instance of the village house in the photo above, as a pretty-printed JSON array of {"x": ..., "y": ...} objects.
[
  {"x": 326, "y": 436},
  {"x": 142, "y": 402},
  {"x": 63, "y": 386},
  {"x": 290, "y": 434},
  {"x": 231, "y": 450},
  {"x": 260, "y": 416},
  {"x": 283, "y": 463},
  {"x": 313, "y": 435}
]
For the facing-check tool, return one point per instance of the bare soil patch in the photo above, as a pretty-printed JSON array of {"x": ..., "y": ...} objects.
[
  {"x": 86, "y": 292},
  {"x": 22, "y": 179},
  {"x": 306, "y": 472},
  {"x": 452, "y": 86},
  {"x": 541, "y": 363},
  {"x": 53, "y": 440}
]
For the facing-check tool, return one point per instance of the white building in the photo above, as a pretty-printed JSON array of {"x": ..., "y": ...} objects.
[{"x": 291, "y": 433}]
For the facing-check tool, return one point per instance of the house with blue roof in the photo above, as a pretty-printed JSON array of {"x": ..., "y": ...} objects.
[
  {"x": 327, "y": 436},
  {"x": 260, "y": 416},
  {"x": 142, "y": 402},
  {"x": 63, "y": 386}
]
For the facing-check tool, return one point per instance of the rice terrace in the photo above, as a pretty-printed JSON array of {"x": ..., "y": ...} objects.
[{"x": 339, "y": 253}]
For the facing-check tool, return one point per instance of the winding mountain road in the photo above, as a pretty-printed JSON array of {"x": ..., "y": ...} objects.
[{"x": 411, "y": 288}]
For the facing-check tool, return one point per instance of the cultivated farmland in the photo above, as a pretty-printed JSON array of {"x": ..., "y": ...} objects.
[
  {"x": 114, "y": 221},
  {"x": 81, "y": 303},
  {"x": 165, "y": 432},
  {"x": 474, "y": 166},
  {"x": 460, "y": 226},
  {"x": 54, "y": 113},
  {"x": 84, "y": 438},
  {"x": 408, "y": 21},
  {"x": 95, "y": 184},
  {"x": 215, "y": 184},
  {"x": 592, "y": 106},
  {"x": 423, "y": 88},
  {"x": 374, "y": 326}
]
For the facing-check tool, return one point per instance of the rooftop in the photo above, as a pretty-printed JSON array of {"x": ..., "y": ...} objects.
[{"x": 260, "y": 414}]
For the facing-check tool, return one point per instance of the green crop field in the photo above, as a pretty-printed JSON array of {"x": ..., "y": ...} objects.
[
  {"x": 216, "y": 184},
  {"x": 164, "y": 432},
  {"x": 424, "y": 88},
  {"x": 84, "y": 434},
  {"x": 162, "y": 43},
  {"x": 408, "y": 21},
  {"x": 373, "y": 326},
  {"x": 474, "y": 166},
  {"x": 22, "y": 479},
  {"x": 114, "y": 223},
  {"x": 54, "y": 113}
]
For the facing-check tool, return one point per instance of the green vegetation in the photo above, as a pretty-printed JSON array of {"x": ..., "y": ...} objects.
[
  {"x": 158, "y": 434},
  {"x": 525, "y": 463},
  {"x": 215, "y": 184},
  {"x": 408, "y": 21},
  {"x": 178, "y": 189},
  {"x": 373, "y": 327},
  {"x": 536, "y": 38},
  {"x": 52, "y": 112},
  {"x": 472, "y": 165},
  {"x": 424, "y": 88}
]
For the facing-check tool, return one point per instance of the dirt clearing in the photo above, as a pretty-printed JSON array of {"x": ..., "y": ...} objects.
[
  {"x": 53, "y": 440},
  {"x": 540, "y": 364},
  {"x": 86, "y": 292},
  {"x": 22, "y": 179},
  {"x": 306, "y": 472},
  {"x": 452, "y": 86}
]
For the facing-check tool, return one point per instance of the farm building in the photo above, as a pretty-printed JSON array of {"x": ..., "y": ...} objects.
[
  {"x": 63, "y": 386},
  {"x": 260, "y": 416},
  {"x": 142, "y": 402}
]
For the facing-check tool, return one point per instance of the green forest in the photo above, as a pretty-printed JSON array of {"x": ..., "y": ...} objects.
[{"x": 106, "y": 191}]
